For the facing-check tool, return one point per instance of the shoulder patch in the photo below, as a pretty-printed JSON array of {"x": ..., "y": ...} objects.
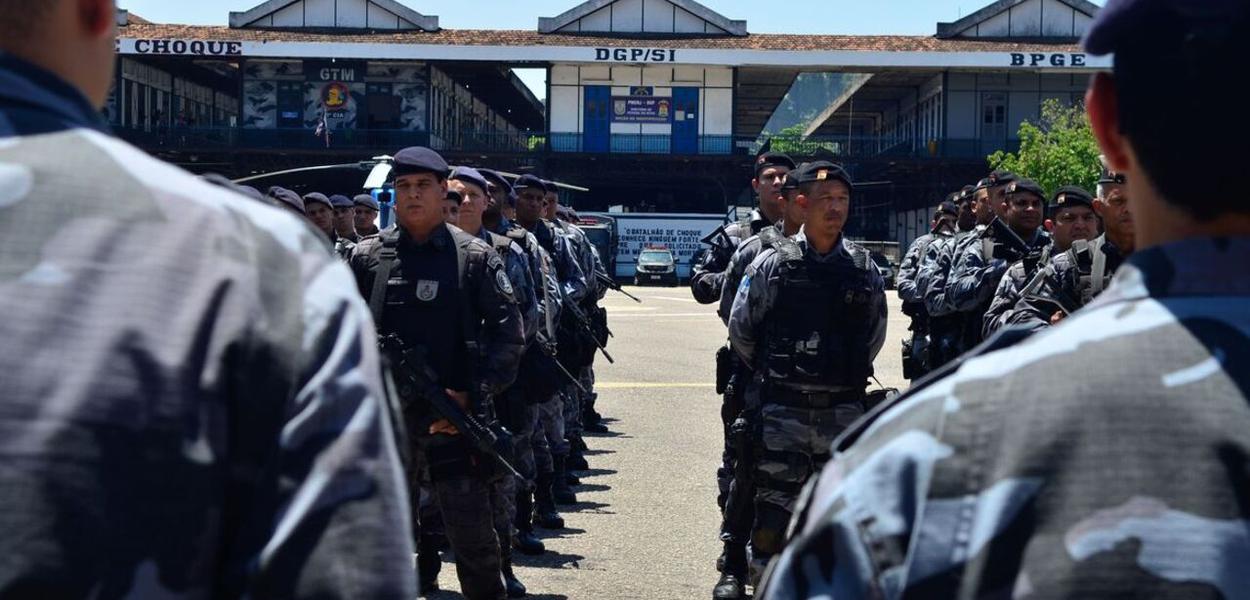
[{"x": 502, "y": 282}]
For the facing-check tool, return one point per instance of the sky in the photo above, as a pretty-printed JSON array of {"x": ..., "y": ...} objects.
[{"x": 854, "y": 17}]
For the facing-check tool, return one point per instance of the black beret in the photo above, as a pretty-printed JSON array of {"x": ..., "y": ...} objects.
[
  {"x": 529, "y": 181},
  {"x": 823, "y": 170},
  {"x": 772, "y": 159},
  {"x": 998, "y": 178},
  {"x": 1026, "y": 186},
  {"x": 341, "y": 201},
  {"x": 419, "y": 159},
  {"x": 287, "y": 197},
  {"x": 949, "y": 208},
  {"x": 1071, "y": 195},
  {"x": 792, "y": 178},
  {"x": 1120, "y": 22},
  {"x": 1109, "y": 176},
  {"x": 367, "y": 201},
  {"x": 317, "y": 198}
]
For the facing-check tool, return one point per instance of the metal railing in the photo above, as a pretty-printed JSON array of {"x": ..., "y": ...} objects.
[{"x": 538, "y": 142}]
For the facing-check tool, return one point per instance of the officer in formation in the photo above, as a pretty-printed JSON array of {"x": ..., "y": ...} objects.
[
  {"x": 1106, "y": 456},
  {"x": 345, "y": 234},
  {"x": 192, "y": 396},
  {"x": 736, "y": 488},
  {"x": 1074, "y": 221},
  {"x": 367, "y": 209},
  {"x": 915, "y": 349},
  {"x": 809, "y": 318},
  {"x": 288, "y": 200},
  {"x": 320, "y": 213},
  {"x": 945, "y": 324},
  {"x": 451, "y": 207}
]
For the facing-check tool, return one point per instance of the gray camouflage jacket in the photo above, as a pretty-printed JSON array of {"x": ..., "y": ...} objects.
[
  {"x": 192, "y": 403},
  {"x": 1105, "y": 457}
]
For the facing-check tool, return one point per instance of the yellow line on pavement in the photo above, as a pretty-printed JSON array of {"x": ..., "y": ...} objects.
[{"x": 617, "y": 385}]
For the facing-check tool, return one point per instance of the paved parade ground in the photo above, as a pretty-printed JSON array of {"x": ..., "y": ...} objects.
[{"x": 647, "y": 523}]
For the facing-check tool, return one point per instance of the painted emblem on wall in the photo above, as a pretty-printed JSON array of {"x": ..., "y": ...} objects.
[{"x": 334, "y": 96}]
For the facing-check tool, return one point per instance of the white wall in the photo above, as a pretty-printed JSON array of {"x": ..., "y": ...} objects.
[
  {"x": 1025, "y": 92},
  {"x": 1033, "y": 19},
  {"x": 641, "y": 16}
]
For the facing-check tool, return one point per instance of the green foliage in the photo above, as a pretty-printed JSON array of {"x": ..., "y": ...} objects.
[
  {"x": 1058, "y": 150},
  {"x": 790, "y": 141}
]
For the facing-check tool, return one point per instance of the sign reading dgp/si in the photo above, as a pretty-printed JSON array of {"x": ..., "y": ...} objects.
[{"x": 642, "y": 109}]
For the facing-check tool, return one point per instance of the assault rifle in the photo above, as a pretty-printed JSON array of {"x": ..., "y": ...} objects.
[
  {"x": 416, "y": 379},
  {"x": 616, "y": 287},
  {"x": 583, "y": 322}
]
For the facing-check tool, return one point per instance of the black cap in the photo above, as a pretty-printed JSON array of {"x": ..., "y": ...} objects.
[
  {"x": 998, "y": 178},
  {"x": 1120, "y": 22},
  {"x": 772, "y": 159},
  {"x": 341, "y": 201},
  {"x": 1107, "y": 176},
  {"x": 1025, "y": 186},
  {"x": 419, "y": 159},
  {"x": 287, "y": 197},
  {"x": 529, "y": 181},
  {"x": 949, "y": 208},
  {"x": 367, "y": 201},
  {"x": 823, "y": 170},
  {"x": 454, "y": 196},
  {"x": 792, "y": 178},
  {"x": 317, "y": 198},
  {"x": 1071, "y": 195}
]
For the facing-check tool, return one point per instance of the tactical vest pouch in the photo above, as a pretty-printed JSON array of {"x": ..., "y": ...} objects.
[
  {"x": 599, "y": 323},
  {"x": 539, "y": 376},
  {"x": 726, "y": 366}
]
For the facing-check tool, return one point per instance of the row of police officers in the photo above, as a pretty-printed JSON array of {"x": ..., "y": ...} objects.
[{"x": 489, "y": 293}]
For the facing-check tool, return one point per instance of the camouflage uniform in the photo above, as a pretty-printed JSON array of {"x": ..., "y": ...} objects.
[
  {"x": 1103, "y": 458},
  {"x": 915, "y": 350},
  {"x": 1014, "y": 284},
  {"x": 974, "y": 277},
  {"x": 192, "y": 405},
  {"x": 945, "y": 323},
  {"x": 812, "y": 366},
  {"x": 1068, "y": 281},
  {"x": 707, "y": 279}
]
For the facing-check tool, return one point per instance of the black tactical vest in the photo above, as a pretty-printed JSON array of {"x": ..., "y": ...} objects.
[{"x": 821, "y": 324}]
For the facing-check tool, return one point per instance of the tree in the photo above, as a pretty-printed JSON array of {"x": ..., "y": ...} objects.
[
  {"x": 790, "y": 141},
  {"x": 1058, "y": 150}
]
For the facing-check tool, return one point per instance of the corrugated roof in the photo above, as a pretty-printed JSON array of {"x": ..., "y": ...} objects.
[{"x": 489, "y": 37}]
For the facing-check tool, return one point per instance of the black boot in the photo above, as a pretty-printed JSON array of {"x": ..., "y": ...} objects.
[
  {"x": 578, "y": 444},
  {"x": 560, "y": 482},
  {"x": 525, "y": 541},
  {"x": 577, "y": 461},
  {"x": 733, "y": 578},
  {"x": 596, "y": 427},
  {"x": 429, "y": 563},
  {"x": 545, "y": 514},
  {"x": 515, "y": 588}
]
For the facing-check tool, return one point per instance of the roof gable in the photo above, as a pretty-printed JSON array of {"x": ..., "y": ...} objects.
[
  {"x": 1066, "y": 19},
  {"x": 333, "y": 14},
  {"x": 672, "y": 17}
]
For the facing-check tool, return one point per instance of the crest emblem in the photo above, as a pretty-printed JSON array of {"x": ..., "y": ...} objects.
[
  {"x": 427, "y": 290},
  {"x": 501, "y": 280},
  {"x": 335, "y": 95},
  {"x": 619, "y": 107}
]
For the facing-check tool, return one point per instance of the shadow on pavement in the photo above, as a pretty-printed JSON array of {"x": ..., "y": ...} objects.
[
  {"x": 549, "y": 560},
  {"x": 593, "y": 452},
  {"x": 592, "y": 487},
  {"x": 547, "y": 534},
  {"x": 592, "y": 472},
  {"x": 596, "y": 507}
]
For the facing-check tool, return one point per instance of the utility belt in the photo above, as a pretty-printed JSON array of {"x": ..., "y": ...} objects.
[{"x": 793, "y": 398}]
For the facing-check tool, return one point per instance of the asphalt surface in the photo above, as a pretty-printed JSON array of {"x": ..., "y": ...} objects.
[{"x": 646, "y": 526}]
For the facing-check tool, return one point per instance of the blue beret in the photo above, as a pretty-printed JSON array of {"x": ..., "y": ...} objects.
[
  {"x": 469, "y": 175},
  {"x": 341, "y": 201},
  {"x": 317, "y": 198},
  {"x": 1120, "y": 21},
  {"x": 287, "y": 197},
  {"x": 529, "y": 181},
  {"x": 367, "y": 201},
  {"x": 500, "y": 182},
  {"x": 419, "y": 159}
]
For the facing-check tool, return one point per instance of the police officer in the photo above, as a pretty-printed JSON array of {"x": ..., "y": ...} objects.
[
  {"x": 1016, "y": 234},
  {"x": 320, "y": 212},
  {"x": 1074, "y": 220},
  {"x": 707, "y": 278},
  {"x": 810, "y": 318},
  {"x": 502, "y": 199},
  {"x": 915, "y": 349},
  {"x": 447, "y": 295},
  {"x": 471, "y": 186},
  {"x": 571, "y": 289},
  {"x": 946, "y": 325},
  {"x": 735, "y": 482},
  {"x": 367, "y": 209},
  {"x": 1105, "y": 459},
  {"x": 1074, "y": 278},
  {"x": 191, "y": 395},
  {"x": 451, "y": 207},
  {"x": 344, "y": 225}
]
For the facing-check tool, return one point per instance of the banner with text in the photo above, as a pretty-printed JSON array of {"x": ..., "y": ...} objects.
[
  {"x": 681, "y": 234},
  {"x": 642, "y": 109}
]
